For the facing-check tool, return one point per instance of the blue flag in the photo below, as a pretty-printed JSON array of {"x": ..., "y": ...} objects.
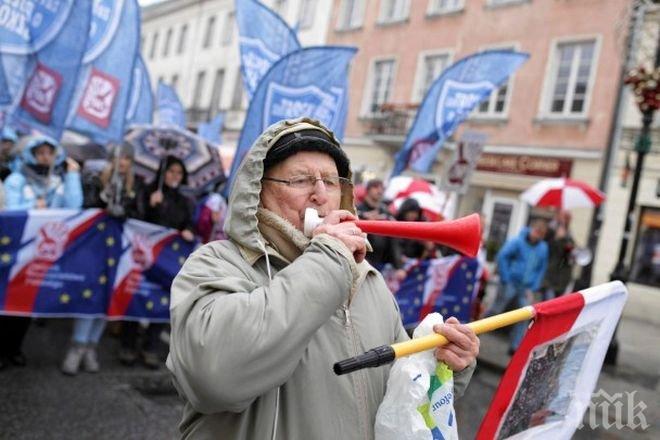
[
  {"x": 264, "y": 38},
  {"x": 170, "y": 109},
  {"x": 445, "y": 285},
  {"x": 141, "y": 105},
  {"x": 211, "y": 131},
  {"x": 42, "y": 46},
  {"x": 311, "y": 82},
  {"x": 449, "y": 101},
  {"x": 80, "y": 263},
  {"x": 5, "y": 97},
  {"x": 104, "y": 85}
]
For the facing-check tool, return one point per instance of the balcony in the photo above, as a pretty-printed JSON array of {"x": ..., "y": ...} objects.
[{"x": 390, "y": 123}]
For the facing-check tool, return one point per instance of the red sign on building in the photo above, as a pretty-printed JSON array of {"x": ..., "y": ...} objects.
[{"x": 525, "y": 165}]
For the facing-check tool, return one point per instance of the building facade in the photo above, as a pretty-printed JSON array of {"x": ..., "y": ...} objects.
[
  {"x": 552, "y": 119},
  {"x": 192, "y": 45}
]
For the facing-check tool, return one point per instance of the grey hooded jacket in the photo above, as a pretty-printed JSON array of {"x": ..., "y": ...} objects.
[{"x": 254, "y": 336}]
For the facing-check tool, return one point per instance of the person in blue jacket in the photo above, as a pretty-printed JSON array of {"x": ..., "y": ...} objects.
[
  {"x": 521, "y": 264},
  {"x": 36, "y": 183}
]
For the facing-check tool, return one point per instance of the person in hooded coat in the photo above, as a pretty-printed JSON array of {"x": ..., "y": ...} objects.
[
  {"x": 259, "y": 319},
  {"x": 164, "y": 205},
  {"x": 36, "y": 184}
]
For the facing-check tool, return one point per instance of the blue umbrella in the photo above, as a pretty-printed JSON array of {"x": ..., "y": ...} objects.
[{"x": 152, "y": 144}]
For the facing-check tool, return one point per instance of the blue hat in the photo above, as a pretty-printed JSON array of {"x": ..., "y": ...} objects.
[{"x": 9, "y": 134}]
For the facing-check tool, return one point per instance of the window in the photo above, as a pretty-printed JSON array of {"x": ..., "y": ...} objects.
[
  {"x": 431, "y": 68},
  {"x": 392, "y": 11},
  {"x": 497, "y": 103},
  {"x": 280, "y": 7},
  {"x": 351, "y": 14},
  {"x": 182, "y": 39},
  {"x": 381, "y": 83},
  {"x": 199, "y": 89},
  {"x": 168, "y": 40},
  {"x": 444, "y": 6},
  {"x": 306, "y": 14},
  {"x": 216, "y": 94},
  {"x": 175, "y": 81},
  {"x": 237, "y": 98},
  {"x": 504, "y": 2},
  {"x": 154, "y": 44},
  {"x": 228, "y": 31},
  {"x": 210, "y": 29},
  {"x": 571, "y": 78}
]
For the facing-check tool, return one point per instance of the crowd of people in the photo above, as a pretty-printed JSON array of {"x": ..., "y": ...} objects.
[{"x": 37, "y": 174}]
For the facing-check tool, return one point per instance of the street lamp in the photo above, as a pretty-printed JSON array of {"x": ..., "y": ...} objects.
[{"x": 646, "y": 89}]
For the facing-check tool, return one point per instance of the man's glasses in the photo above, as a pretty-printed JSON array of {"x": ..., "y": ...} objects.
[{"x": 307, "y": 182}]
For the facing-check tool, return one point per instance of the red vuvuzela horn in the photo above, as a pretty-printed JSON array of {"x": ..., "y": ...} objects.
[{"x": 463, "y": 234}]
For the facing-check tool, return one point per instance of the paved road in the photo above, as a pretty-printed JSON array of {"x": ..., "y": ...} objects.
[{"x": 38, "y": 402}]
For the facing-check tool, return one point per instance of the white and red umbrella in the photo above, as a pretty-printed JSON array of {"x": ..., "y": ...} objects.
[
  {"x": 432, "y": 201},
  {"x": 563, "y": 193}
]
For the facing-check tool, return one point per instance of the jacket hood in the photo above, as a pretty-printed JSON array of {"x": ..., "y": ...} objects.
[
  {"x": 32, "y": 142},
  {"x": 241, "y": 222}
]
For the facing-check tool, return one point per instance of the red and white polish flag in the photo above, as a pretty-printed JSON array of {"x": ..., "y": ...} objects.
[{"x": 549, "y": 382}]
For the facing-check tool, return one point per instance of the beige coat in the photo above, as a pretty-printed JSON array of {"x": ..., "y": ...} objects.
[{"x": 252, "y": 353}]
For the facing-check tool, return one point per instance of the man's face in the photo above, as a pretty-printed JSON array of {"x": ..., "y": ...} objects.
[
  {"x": 44, "y": 155},
  {"x": 375, "y": 193},
  {"x": 537, "y": 234},
  {"x": 290, "y": 203}
]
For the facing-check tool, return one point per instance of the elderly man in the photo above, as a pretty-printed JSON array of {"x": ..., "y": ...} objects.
[{"x": 259, "y": 319}]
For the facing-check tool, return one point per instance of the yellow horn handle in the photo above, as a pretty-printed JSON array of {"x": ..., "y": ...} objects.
[{"x": 481, "y": 326}]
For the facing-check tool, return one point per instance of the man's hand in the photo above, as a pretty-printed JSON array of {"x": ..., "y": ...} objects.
[
  {"x": 339, "y": 224},
  {"x": 463, "y": 346}
]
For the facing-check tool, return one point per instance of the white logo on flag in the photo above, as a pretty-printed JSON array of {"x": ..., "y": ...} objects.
[
  {"x": 98, "y": 98},
  {"x": 51, "y": 241},
  {"x": 284, "y": 102},
  {"x": 41, "y": 92},
  {"x": 141, "y": 253},
  {"x": 256, "y": 59},
  {"x": 457, "y": 99}
]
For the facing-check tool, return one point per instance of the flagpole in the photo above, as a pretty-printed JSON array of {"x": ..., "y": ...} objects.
[{"x": 388, "y": 353}]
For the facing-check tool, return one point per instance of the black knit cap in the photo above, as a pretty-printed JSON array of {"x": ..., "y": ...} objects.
[{"x": 307, "y": 140}]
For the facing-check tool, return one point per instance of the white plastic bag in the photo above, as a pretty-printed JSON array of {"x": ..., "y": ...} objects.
[{"x": 410, "y": 410}]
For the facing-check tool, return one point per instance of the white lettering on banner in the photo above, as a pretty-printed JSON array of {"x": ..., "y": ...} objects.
[
  {"x": 100, "y": 10},
  {"x": 284, "y": 102},
  {"x": 255, "y": 67},
  {"x": 457, "y": 98},
  {"x": 14, "y": 21},
  {"x": 462, "y": 100},
  {"x": 288, "y": 108}
]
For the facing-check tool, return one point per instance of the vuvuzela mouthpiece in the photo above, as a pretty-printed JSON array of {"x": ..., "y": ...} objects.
[{"x": 312, "y": 220}]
